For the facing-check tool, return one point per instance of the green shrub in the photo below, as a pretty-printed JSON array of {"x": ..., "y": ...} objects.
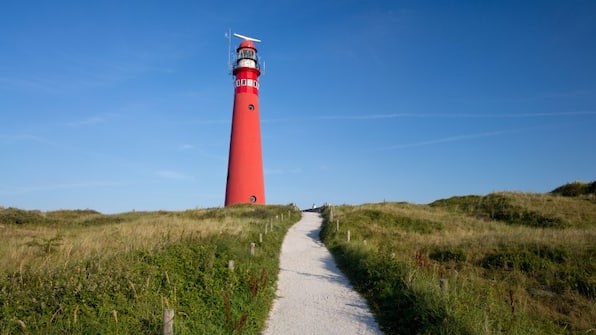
[
  {"x": 448, "y": 255},
  {"x": 522, "y": 260},
  {"x": 19, "y": 216},
  {"x": 555, "y": 254},
  {"x": 580, "y": 280},
  {"x": 575, "y": 189},
  {"x": 585, "y": 285},
  {"x": 525, "y": 257}
]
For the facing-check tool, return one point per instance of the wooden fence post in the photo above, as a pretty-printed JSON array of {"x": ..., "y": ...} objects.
[
  {"x": 168, "y": 322},
  {"x": 252, "y": 248},
  {"x": 443, "y": 284},
  {"x": 348, "y": 237},
  {"x": 231, "y": 265},
  {"x": 337, "y": 225},
  {"x": 260, "y": 238}
]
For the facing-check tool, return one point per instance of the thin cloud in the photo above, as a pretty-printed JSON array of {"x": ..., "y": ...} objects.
[
  {"x": 80, "y": 72},
  {"x": 513, "y": 115},
  {"x": 96, "y": 119},
  {"x": 85, "y": 122},
  {"x": 34, "y": 83},
  {"x": 19, "y": 138},
  {"x": 201, "y": 122},
  {"x": 270, "y": 172},
  {"x": 173, "y": 175},
  {"x": 436, "y": 116},
  {"x": 457, "y": 138},
  {"x": 11, "y": 139},
  {"x": 54, "y": 187},
  {"x": 50, "y": 84}
]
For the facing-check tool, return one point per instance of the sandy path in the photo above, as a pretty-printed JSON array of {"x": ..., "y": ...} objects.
[{"x": 314, "y": 297}]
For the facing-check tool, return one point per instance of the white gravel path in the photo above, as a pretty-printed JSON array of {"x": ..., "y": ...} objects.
[{"x": 314, "y": 297}]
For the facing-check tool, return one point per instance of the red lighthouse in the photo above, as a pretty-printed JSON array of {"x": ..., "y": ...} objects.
[{"x": 245, "y": 183}]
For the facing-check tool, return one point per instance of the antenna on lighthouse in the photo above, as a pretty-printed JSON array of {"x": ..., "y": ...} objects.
[
  {"x": 247, "y": 38},
  {"x": 228, "y": 35}
]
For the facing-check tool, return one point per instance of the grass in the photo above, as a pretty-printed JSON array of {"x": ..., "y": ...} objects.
[
  {"x": 505, "y": 263},
  {"x": 576, "y": 189},
  {"x": 82, "y": 272}
]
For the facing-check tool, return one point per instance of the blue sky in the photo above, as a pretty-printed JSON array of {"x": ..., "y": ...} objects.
[{"x": 121, "y": 105}]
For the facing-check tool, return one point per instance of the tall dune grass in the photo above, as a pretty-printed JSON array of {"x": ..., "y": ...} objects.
[{"x": 40, "y": 244}]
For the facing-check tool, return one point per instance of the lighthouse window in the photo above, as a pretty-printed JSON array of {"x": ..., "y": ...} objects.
[
  {"x": 243, "y": 82},
  {"x": 253, "y": 198},
  {"x": 254, "y": 83},
  {"x": 247, "y": 53},
  {"x": 251, "y": 107},
  {"x": 250, "y": 82},
  {"x": 237, "y": 83}
]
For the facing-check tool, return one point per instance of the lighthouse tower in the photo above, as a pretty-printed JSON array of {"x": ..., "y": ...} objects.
[{"x": 245, "y": 183}]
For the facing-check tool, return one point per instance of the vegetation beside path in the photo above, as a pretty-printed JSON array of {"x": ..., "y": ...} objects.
[
  {"x": 504, "y": 263},
  {"x": 83, "y": 272}
]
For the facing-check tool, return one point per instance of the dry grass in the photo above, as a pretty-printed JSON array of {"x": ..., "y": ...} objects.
[
  {"x": 579, "y": 210},
  {"x": 41, "y": 245},
  {"x": 472, "y": 233}
]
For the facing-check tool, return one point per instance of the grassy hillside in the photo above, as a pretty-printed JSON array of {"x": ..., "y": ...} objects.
[
  {"x": 505, "y": 263},
  {"x": 82, "y": 272}
]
